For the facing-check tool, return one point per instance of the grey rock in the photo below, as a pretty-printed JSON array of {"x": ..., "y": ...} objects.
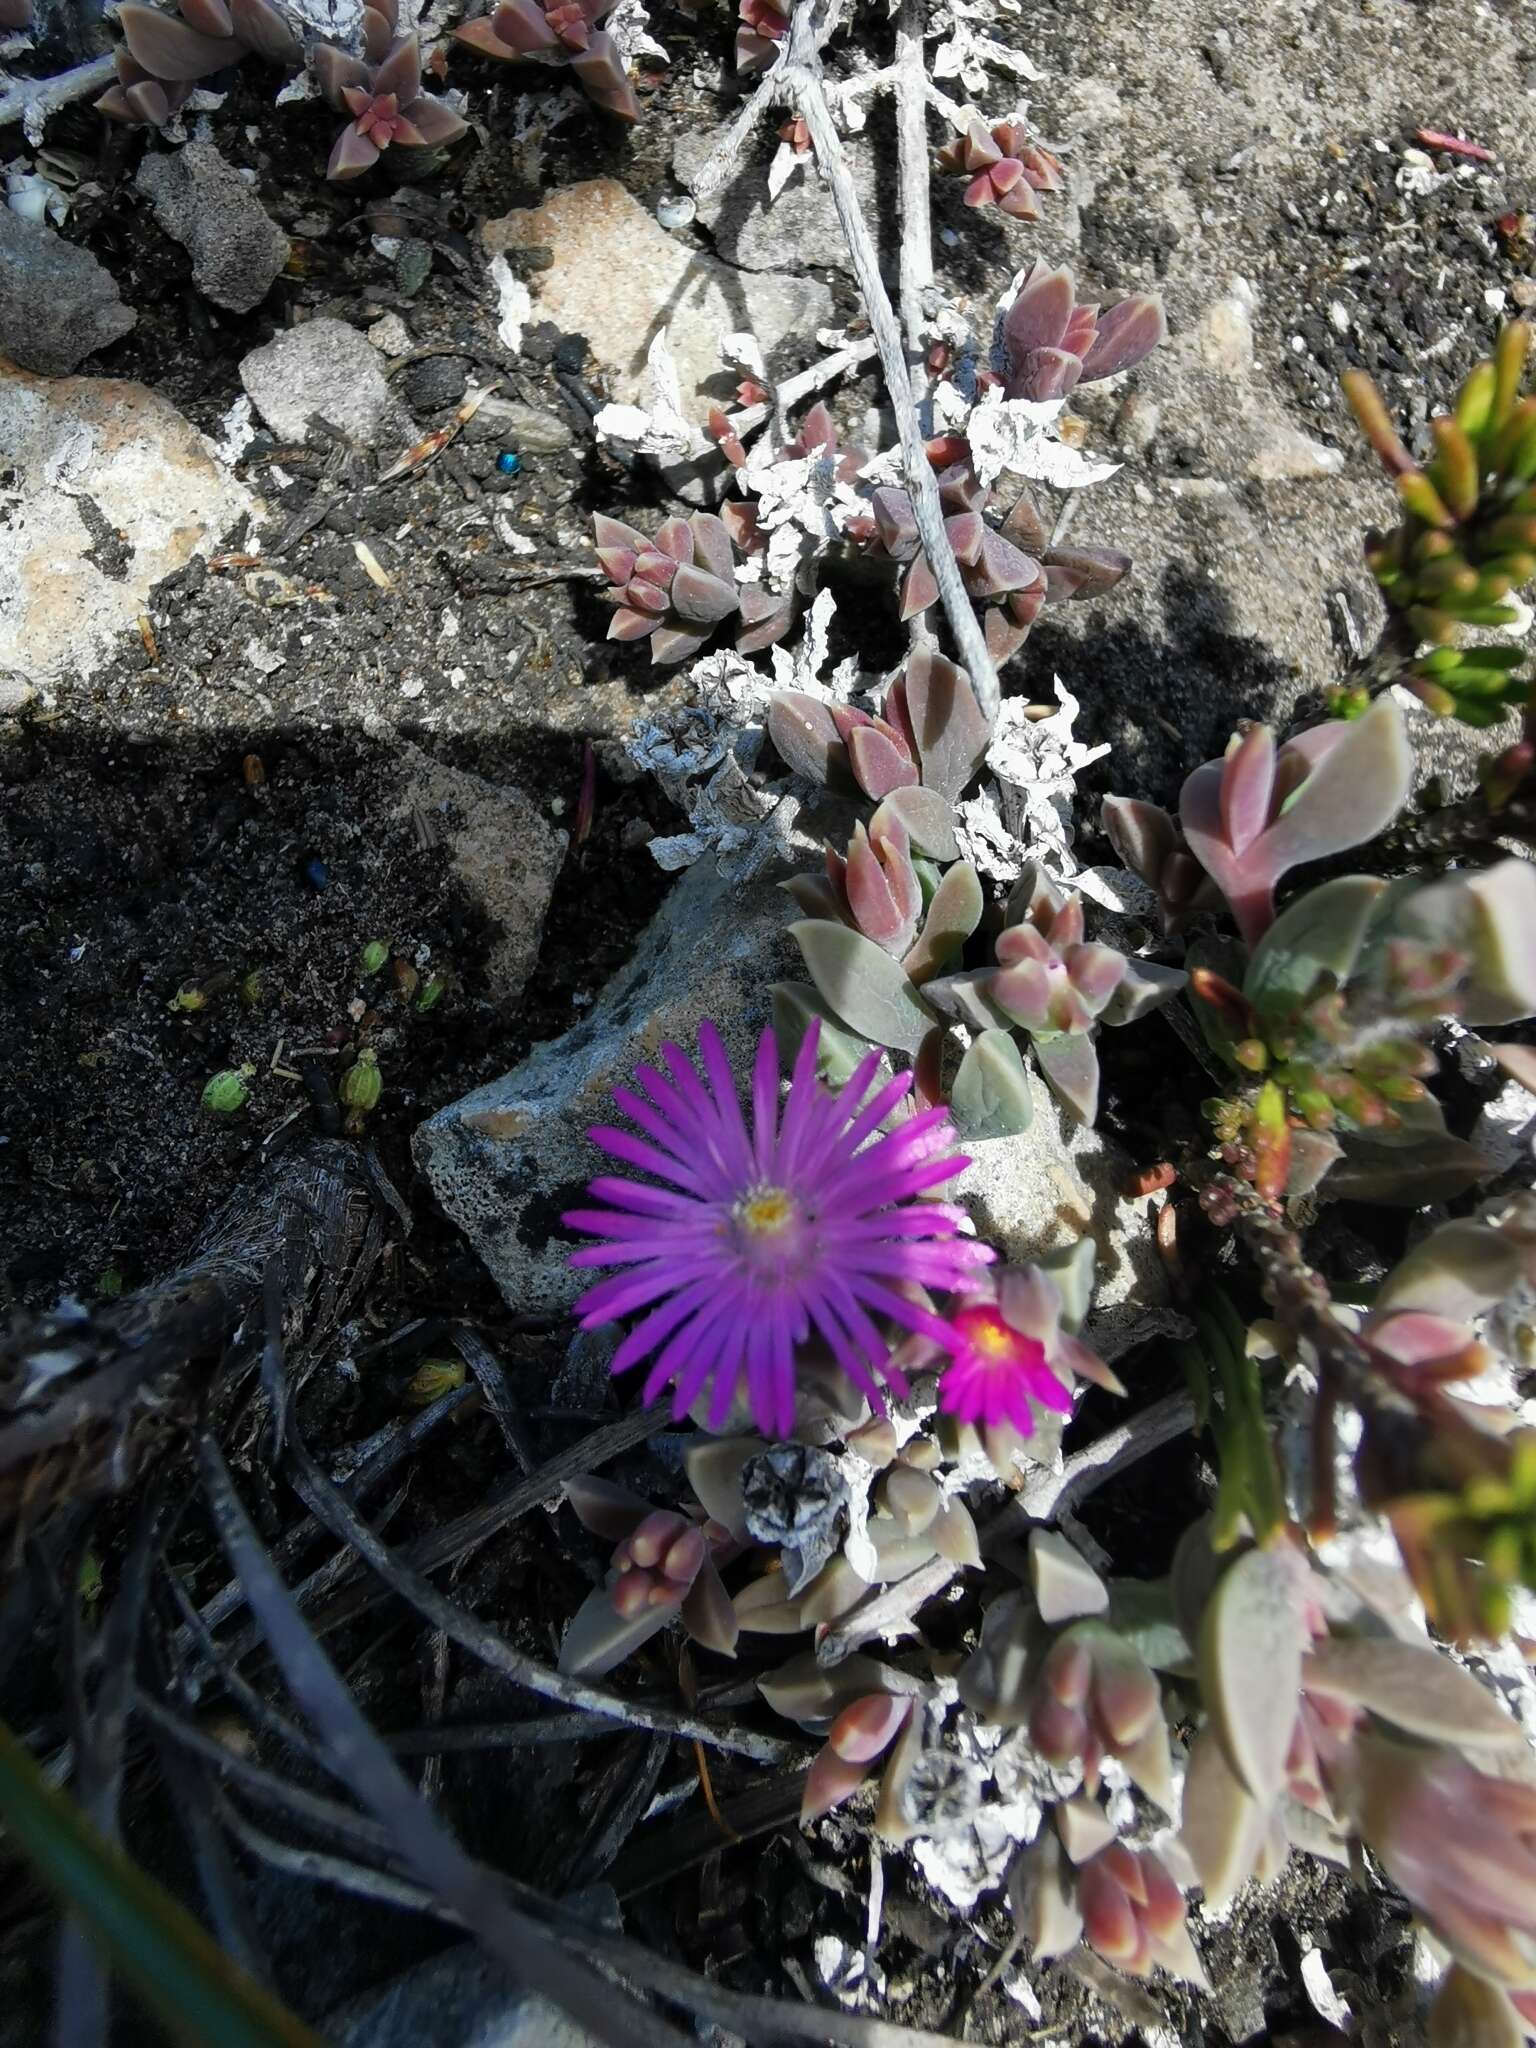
[
  {"x": 527, "y": 428},
  {"x": 325, "y": 367},
  {"x": 506, "y": 1160},
  {"x": 462, "y": 1997},
  {"x": 793, "y": 232},
  {"x": 436, "y": 381},
  {"x": 203, "y": 202},
  {"x": 617, "y": 278},
  {"x": 504, "y": 853},
  {"x": 57, "y": 304},
  {"x": 16, "y": 693}
]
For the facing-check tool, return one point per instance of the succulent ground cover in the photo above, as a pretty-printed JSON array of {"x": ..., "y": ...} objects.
[{"x": 1100, "y": 1639}]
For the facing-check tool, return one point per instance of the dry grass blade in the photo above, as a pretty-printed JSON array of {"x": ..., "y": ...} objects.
[
  {"x": 331, "y": 1505},
  {"x": 456, "y": 1539},
  {"x": 376, "y": 1780},
  {"x": 99, "y": 1732}
]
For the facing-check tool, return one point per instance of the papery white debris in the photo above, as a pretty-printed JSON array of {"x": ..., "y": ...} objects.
[
  {"x": 800, "y": 667},
  {"x": 1026, "y": 811},
  {"x": 514, "y": 304},
  {"x": 1019, "y": 435},
  {"x": 801, "y": 508},
  {"x": 237, "y": 430},
  {"x": 629, "y": 24},
  {"x": 704, "y": 763},
  {"x": 969, "y": 55},
  {"x": 661, "y": 429}
]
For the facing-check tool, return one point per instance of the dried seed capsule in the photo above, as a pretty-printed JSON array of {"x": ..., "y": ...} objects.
[
  {"x": 361, "y": 1086},
  {"x": 226, "y": 1092}
]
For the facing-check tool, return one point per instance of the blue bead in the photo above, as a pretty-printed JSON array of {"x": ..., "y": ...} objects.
[
  {"x": 317, "y": 874},
  {"x": 509, "y": 462}
]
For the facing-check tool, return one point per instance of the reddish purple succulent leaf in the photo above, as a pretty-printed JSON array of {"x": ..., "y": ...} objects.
[
  {"x": 884, "y": 895},
  {"x": 208, "y": 17},
  {"x": 948, "y": 726},
  {"x": 335, "y": 73},
  {"x": 400, "y": 72},
  {"x": 260, "y": 25},
  {"x": 1127, "y": 333},
  {"x": 481, "y": 36},
  {"x": 604, "y": 80},
  {"x": 879, "y": 764},
  {"x": 627, "y": 624},
  {"x": 1025, "y": 527},
  {"x": 674, "y": 537},
  {"x": 919, "y": 589},
  {"x": 147, "y": 102},
  {"x": 702, "y": 599},
  {"x": 353, "y": 154},
  {"x": 1247, "y": 784},
  {"x": 1040, "y": 312},
  {"x": 765, "y": 617},
  {"x": 801, "y": 728},
  {"x": 378, "y": 33},
  {"x": 712, "y": 548},
  {"x": 896, "y": 521},
  {"x": 669, "y": 646},
  {"x": 1092, "y": 571},
  {"x": 167, "y": 48}
]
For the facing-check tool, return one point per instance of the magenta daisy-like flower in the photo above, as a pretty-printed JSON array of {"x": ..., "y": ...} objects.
[
  {"x": 758, "y": 1239},
  {"x": 1010, "y": 1355}
]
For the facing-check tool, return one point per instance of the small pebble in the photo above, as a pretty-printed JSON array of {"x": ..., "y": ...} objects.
[
  {"x": 509, "y": 462},
  {"x": 676, "y": 212}
]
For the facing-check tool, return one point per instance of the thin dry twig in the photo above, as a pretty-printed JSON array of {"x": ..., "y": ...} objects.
[
  {"x": 32, "y": 100},
  {"x": 799, "y": 73}
]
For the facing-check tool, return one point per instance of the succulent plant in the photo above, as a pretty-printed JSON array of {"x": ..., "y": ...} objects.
[
  {"x": 557, "y": 32},
  {"x": 761, "y": 27},
  {"x": 1003, "y": 167},
  {"x": 164, "y": 55},
  {"x": 1007, "y": 563},
  {"x": 1151, "y": 844},
  {"x": 1052, "y": 983},
  {"x": 677, "y": 588},
  {"x": 1461, "y": 1845},
  {"x": 383, "y": 97},
  {"x": 1264, "y": 809},
  {"x": 1051, "y": 343},
  {"x": 664, "y": 1567},
  {"x": 1467, "y": 538}
]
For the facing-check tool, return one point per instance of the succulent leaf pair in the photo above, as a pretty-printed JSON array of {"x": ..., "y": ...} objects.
[
  {"x": 675, "y": 589},
  {"x": 558, "y": 32},
  {"x": 163, "y": 55}
]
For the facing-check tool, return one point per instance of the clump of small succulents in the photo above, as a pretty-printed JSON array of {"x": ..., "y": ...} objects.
[
  {"x": 677, "y": 587},
  {"x": 381, "y": 92},
  {"x": 563, "y": 33},
  {"x": 163, "y": 56},
  {"x": 1052, "y": 341},
  {"x": 1002, "y": 167},
  {"x": 1466, "y": 541}
]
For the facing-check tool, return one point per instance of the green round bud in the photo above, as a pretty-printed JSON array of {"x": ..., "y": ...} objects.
[
  {"x": 253, "y": 988},
  {"x": 362, "y": 1084},
  {"x": 433, "y": 1379},
  {"x": 432, "y": 993},
  {"x": 226, "y": 1092},
  {"x": 373, "y": 957},
  {"x": 189, "y": 997}
]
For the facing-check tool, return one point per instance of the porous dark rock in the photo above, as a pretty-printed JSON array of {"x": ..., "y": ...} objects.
[
  {"x": 202, "y": 202},
  {"x": 57, "y": 303}
]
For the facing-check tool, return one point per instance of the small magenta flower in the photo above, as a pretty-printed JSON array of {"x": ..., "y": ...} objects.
[
  {"x": 803, "y": 1226},
  {"x": 1009, "y": 1353}
]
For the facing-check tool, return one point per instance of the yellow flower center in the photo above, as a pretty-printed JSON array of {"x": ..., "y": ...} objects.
[{"x": 765, "y": 1213}]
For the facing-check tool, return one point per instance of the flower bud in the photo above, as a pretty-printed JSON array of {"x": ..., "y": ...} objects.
[
  {"x": 361, "y": 1086},
  {"x": 432, "y": 1379},
  {"x": 372, "y": 959}
]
